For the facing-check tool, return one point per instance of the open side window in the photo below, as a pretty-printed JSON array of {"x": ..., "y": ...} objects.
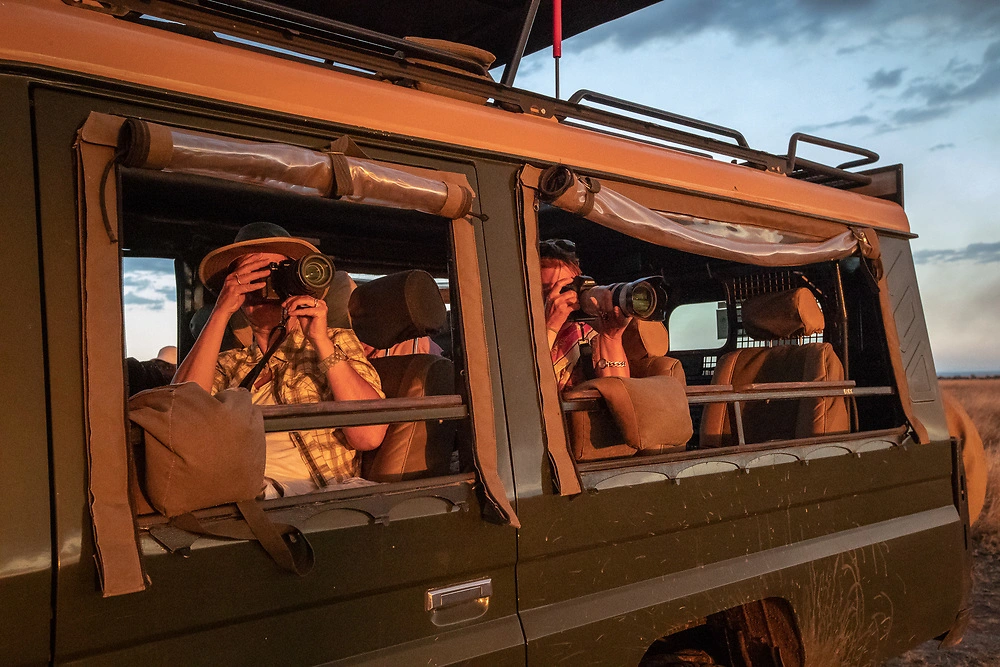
[
  {"x": 182, "y": 194},
  {"x": 771, "y": 324}
]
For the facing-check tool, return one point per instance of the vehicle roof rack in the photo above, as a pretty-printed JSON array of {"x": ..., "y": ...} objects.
[
  {"x": 325, "y": 42},
  {"x": 790, "y": 164}
]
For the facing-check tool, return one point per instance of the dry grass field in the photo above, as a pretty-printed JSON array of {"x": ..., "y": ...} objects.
[{"x": 981, "y": 646}]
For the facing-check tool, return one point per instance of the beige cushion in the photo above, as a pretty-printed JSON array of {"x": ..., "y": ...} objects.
[
  {"x": 413, "y": 449},
  {"x": 649, "y": 415},
  {"x": 200, "y": 450},
  {"x": 777, "y": 419},
  {"x": 788, "y": 314}
]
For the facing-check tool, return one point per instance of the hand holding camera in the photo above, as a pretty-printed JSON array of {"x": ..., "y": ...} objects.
[{"x": 645, "y": 299}]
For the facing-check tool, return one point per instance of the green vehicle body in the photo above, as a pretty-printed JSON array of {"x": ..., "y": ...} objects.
[{"x": 859, "y": 557}]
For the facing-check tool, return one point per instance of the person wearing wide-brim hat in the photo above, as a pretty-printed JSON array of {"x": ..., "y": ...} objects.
[{"x": 313, "y": 363}]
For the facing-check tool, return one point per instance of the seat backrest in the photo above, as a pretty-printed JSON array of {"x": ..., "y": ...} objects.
[
  {"x": 780, "y": 419},
  {"x": 384, "y": 313},
  {"x": 646, "y": 347},
  {"x": 413, "y": 449},
  {"x": 595, "y": 435},
  {"x": 775, "y": 316}
]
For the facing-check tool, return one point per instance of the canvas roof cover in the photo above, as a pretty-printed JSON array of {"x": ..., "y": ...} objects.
[{"x": 493, "y": 25}]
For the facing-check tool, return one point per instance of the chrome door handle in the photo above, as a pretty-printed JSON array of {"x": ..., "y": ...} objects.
[{"x": 456, "y": 594}]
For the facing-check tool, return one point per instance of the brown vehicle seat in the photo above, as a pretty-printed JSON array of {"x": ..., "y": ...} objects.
[
  {"x": 596, "y": 435},
  {"x": 646, "y": 346},
  {"x": 385, "y": 312},
  {"x": 781, "y": 315}
]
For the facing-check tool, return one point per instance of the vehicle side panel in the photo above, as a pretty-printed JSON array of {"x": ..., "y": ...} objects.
[
  {"x": 914, "y": 343},
  {"x": 367, "y": 590},
  {"x": 854, "y": 543},
  {"x": 25, "y": 518}
]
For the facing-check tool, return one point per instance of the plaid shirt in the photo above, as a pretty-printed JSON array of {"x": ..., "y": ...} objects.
[
  {"x": 295, "y": 378},
  {"x": 565, "y": 352}
]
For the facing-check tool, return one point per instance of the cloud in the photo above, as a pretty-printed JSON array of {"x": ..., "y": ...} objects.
[
  {"x": 885, "y": 78},
  {"x": 148, "y": 284},
  {"x": 915, "y": 115},
  {"x": 854, "y": 121},
  {"x": 135, "y": 300},
  {"x": 785, "y": 21},
  {"x": 941, "y": 147},
  {"x": 978, "y": 253},
  {"x": 153, "y": 264},
  {"x": 958, "y": 85}
]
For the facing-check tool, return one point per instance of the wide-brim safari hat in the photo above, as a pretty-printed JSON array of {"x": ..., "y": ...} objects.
[{"x": 255, "y": 237}]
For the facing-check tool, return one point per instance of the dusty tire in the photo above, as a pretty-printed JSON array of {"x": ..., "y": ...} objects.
[{"x": 683, "y": 658}]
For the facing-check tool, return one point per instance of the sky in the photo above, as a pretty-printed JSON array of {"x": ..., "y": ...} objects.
[{"x": 917, "y": 82}]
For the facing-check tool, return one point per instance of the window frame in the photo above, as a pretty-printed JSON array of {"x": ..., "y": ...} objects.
[{"x": 594, "y": 474}]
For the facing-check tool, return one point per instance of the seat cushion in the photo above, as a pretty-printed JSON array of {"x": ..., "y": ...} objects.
[
  {"x": 645, "y": 415},
  {"x": 777, "y": 419},
  {"x": 413, "y": 449}
]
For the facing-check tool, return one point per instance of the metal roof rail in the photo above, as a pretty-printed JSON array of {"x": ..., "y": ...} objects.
[
  {"x": 330, "y": 42},
  {"x": 815, "y": 172},
  {"x": 790, "y": 164}
]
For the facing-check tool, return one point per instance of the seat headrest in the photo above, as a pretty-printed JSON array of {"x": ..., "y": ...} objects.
[
  {"x": 337, "y": 298},
  {"x": 788, "y": 314},
  {"x": 397, "y": 307},
  {"x": 643, "y": 338}
]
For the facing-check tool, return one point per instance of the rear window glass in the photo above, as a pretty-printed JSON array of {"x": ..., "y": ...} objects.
[
  {"x": 699, "y": 326},
  {"x": 150, "y": 295}
]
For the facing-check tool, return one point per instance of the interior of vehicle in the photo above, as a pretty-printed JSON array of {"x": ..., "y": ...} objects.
[
  {"x": 394, "y": 286},
  {"x": 768, "y": 354}
]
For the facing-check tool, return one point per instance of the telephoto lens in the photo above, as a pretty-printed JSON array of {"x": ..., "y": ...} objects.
[
  {"x": 308, "y": 276},
  {"x": 645, "y": 299}
]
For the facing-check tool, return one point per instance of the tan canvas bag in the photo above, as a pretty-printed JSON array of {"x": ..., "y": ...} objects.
[{"x": 204, "y": 450}]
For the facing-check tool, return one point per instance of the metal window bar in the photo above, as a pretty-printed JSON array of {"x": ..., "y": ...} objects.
[
  {"x": 589, "y": 400},
  {"x": 338, "y": 414}
]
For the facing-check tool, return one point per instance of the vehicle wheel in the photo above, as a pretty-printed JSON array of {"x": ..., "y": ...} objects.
[{"x": 683, "y": 658}]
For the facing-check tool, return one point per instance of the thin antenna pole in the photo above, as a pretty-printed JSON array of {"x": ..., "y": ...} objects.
[{"x": 557, "y": 38}]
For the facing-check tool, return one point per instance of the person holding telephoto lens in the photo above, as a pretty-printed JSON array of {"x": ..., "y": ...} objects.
[
  {"x": 279, "y": 282},
  {"x": 572, "y": 342}
]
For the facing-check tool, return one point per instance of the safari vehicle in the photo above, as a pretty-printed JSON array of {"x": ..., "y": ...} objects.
[{"x": 780, "y": 488}]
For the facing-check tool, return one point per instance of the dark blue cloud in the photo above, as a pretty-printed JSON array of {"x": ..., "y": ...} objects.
[
  {"x": 941, "y": 147},
  {"x": 979, "y": 253},
  {"x": 145, "y": 302},
  {"x": 792, "y": 20},
  {"x": 885, "y": 78},
  {"x": 854, "y": 121},
  {"x": 155, "y": 264}
]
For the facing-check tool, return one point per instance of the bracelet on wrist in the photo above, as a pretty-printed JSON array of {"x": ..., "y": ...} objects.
[
  {"x": 332, "y": 359},
  {"x": 605, "y": 363}
]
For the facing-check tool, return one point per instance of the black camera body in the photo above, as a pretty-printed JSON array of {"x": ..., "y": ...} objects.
[
  {"x": 645, "y": 299},
  {"x": 309, "y": 276}
]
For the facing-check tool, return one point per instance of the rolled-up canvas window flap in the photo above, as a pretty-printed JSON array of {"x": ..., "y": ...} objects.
[
  {"x": 346, "y": 175},
  {"x": 748, "y": 244},
  {"x": 112, "y": 516}
]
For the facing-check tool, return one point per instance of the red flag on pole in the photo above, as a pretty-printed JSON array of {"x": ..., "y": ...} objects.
[
  {"x": 556, "y": 28},
  {"x": 557, "y": 38}
]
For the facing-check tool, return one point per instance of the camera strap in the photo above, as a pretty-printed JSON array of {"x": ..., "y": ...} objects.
[
  {"x": 278, "y": 336},
  {"x": 586, "y": 355}
]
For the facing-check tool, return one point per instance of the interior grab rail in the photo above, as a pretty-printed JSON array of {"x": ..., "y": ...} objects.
[{"x": 338, "y": 414}]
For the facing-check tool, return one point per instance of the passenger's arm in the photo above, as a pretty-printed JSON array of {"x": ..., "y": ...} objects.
[
  {"x": 199, "y": 364},
  {"x": 346, "y": 383},
  {"x": 607, "y": 345}
]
